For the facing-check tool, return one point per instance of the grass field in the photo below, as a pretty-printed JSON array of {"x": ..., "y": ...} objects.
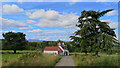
[
  {"x": 31, "y": 59},
  {"x": 20, "y": 51},
  {"x": 6, "y": 57},
  {"x": 9, "y": 54},
  {"x": 103, "y": 60}
]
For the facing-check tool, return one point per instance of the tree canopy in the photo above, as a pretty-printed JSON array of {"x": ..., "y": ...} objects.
[
  {"x": 14, "y": 41},
  {"x": 94, "y": 35}
]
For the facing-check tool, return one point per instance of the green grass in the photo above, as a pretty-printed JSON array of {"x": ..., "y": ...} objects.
[
  {"x": 8, "y": 54},
  {"x": 6, "y": 57},
  {"x": 34, "y": 59},
  {"x": 73, "y": 53},
  {"x": 104, "y": 60},
  {"x": 20, "y": 51}
]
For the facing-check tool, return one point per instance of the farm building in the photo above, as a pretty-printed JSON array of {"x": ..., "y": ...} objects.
[
  {"x": 60, "y": 49},
  {"x": 51, "y": 50}
]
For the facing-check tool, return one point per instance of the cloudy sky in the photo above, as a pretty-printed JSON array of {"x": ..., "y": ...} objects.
[{"x": 51, "y": 20}]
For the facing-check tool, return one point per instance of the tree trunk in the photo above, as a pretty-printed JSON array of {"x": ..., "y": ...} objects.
[
  {"x": 85, "y": 53},
  {"x": 97, "y": 54},
  {"x": 14, "y": 50}
]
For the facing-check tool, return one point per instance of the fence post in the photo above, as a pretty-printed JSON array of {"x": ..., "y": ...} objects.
[
  {"x": 75, "y": 55},
  {"x": 18, "y": 56},
  {"x": 9, "y": 58}
]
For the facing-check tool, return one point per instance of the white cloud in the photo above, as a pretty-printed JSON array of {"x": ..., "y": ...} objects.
[
  {"x": 13, "y": 30},
  {"x": 105, "y": 20},
  {"x": 34, "y": 31},
  {"x": 37, "y": 37},
  {"x": 74, "y": 1},
  {"x": 54, "y": 35},
  {"x": 4, "y": 31},
  {"x": 54, "y": 31},
  {"x": 43, "y": 14},
  {"x": 20, "y": 1},
  {"x": 9, "y": 23},
  {"x": 53, "y": 18},
  {"x": 28, "y": 27},
  {"x": 7, "y": 31},
  {"x": 44, "y": 38},
  {"x": 12, "y": 9},
  {"x": 30, "y": 21},
  {"x": 49, "y": 37},
  {"x": 101, "y": 0},
  {"x": 0, "y": 11},
  {"x": 57, "y": 0},
  {"x": 112, "y": 13},
  {"x": 111, "y": 23}
]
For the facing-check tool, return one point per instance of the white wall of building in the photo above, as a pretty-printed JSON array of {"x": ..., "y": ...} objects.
[{"x": 50, "y": 52}]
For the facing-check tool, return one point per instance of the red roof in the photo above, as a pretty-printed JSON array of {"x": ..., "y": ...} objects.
[{"x": 51, "y": 48}]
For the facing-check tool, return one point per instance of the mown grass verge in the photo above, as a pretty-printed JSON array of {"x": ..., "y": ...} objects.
[
  {"x": 104, "y": 60},
  {"x": 34, "y": 59}
]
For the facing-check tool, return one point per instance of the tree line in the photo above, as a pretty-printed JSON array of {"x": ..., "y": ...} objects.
[{"x": 17, "y": 41}]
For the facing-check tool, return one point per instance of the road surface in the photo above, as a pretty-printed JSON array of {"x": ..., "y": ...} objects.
[{"x": 66, "y": 61}]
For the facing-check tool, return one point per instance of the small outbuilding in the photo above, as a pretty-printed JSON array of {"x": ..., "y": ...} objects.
[
  {"x": 60, "y": 49},
  {"x": 51, "y": 50}
]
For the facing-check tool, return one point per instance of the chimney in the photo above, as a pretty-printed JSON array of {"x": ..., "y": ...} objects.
[{"x": 59, "y": 43}]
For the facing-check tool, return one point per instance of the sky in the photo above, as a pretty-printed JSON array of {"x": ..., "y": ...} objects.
[{"x": 51, "y": 21}]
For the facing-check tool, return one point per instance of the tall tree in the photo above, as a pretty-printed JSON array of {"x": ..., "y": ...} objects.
[
  {"x": 15, "y": 41},
  {"x": 94, "y": 34}
]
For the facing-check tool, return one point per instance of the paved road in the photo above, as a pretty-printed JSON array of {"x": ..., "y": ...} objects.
[{"x": 66, "y": 61}]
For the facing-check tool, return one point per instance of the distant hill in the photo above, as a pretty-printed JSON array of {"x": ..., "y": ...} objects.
[{"x": 34, "y": 40}]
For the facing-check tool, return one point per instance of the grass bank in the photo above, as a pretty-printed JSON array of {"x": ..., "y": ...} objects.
[
  {"x": 34, "y": 59},
  {"x": 104, "y": 60}
]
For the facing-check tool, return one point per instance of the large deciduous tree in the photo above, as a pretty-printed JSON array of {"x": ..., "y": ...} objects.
[
  {"x": 15, "y": 41},
  {"x": 94, "y": 35}
]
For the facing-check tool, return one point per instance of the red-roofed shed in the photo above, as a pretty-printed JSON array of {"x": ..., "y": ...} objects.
[{"x": 51, "y": 50}]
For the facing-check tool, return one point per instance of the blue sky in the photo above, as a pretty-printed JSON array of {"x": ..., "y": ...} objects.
[{"x": 51, "y": 20}]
